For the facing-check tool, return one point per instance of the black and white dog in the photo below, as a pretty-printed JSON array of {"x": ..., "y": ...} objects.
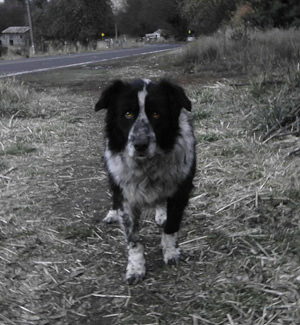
[{"x": 150, "y": 158}]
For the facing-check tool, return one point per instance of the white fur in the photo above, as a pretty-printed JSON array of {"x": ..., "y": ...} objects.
[
  {"x": 161, "y": 215},
  {"x": 171, "y": 252},
  {"x": 112, "y": 217},
  {"x": 138, "y": 126},
  {"x": 136, "y": 269},
  {"x": 147, "y": 81},
  {"x": 142, "y": 96}
]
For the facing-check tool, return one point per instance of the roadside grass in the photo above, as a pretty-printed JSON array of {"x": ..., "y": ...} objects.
[
  {"x": 20, "y": 100},
  {"x": 257, "y": 52},
  {"x": 277, "y": 102},
  {"x": 247, "y": 193},
  {"x": 240, "y": 236},
  {"x": 14, "y": 98}
]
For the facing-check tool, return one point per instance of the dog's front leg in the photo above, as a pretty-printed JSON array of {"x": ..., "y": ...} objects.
[
  {"x": 117, "y": 198},
  {"x": 171, "y": 251},
  {"x": 169, "y": 240},
  {"x": 135, "y": 270}
]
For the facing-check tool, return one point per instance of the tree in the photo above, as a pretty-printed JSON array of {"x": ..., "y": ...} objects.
[
  {"x": 12, "y": 13},
  {"x": 275, "y": 13},
  {"x": 73, "y": 20},
  {"x": 206, "y": 16},
  {"x": 144, "y": 16}
]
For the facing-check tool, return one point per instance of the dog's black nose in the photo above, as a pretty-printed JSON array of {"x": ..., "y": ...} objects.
[{"x": 141, "y": 145}]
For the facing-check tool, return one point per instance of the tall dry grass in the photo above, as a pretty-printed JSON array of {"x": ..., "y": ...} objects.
[
  {"x": 18, "y": 99},
  {"x": 255, "y": 51},
  {"x": 15, "y": 98}
]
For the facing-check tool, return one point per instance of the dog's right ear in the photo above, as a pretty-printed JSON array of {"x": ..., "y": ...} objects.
[{"x": 109, "y": 94}]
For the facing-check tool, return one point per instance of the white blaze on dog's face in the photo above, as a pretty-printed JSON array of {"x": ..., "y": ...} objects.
[{"x": 141, "y": 138}]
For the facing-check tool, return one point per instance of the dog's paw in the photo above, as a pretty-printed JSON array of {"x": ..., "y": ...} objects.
[
  {"x": 136, "y": 269},
  {"x": 171, "y": 251},
  {"x": 172, "y": 257},
  {"x": 134, "y": 278},
  {"x": 161, "y": 216},
  {"x": 112, "y": 217}
]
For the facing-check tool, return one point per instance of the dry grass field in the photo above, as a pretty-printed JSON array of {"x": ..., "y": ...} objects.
[{"x": 59, "y": 264}]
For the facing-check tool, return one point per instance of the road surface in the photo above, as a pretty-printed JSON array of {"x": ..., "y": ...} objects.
[{"x": 23, "y": 66}]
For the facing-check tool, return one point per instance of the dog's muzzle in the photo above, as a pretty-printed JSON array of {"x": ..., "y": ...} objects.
[{"x": 142, "y": 142}]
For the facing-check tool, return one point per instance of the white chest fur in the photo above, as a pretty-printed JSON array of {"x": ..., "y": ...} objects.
[{"x": 151, "y": 180}]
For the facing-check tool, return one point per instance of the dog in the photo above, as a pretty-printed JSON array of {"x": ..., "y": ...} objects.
[{"x": 150, "y": 159}]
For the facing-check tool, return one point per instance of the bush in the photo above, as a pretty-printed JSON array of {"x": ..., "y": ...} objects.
[
  {"x": 15, "y": 98},
  {"x": 3, "y": 50}
]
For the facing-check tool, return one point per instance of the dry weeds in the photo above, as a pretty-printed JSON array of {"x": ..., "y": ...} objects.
[{"x": 59, "y": 264}]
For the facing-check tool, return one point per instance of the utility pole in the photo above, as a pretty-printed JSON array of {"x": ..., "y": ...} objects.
[
  {"x": 116, "y": 31},
  {"x": 30, "y": 26}
]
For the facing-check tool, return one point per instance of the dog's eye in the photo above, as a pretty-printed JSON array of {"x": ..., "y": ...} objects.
[
  {"x": 129, "y": 115},
  {"x": 155, "y": 115}
]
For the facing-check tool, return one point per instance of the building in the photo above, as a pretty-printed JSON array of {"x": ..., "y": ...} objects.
[
  {"x": 156, "y": 35},
  {"x": 160, "y": 33},
  {"x": 15, "y": 37}
]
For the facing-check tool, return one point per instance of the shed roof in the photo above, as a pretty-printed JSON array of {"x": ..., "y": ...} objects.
[{"x": 16, "y": 30}]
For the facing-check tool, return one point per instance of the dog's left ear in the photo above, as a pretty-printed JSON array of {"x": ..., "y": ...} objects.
[
  {"x": 109, "y": 94},
  {"x": 177, "y": 95}
]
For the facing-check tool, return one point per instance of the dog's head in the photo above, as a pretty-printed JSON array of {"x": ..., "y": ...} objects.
[{"x": 142, "y": 116}]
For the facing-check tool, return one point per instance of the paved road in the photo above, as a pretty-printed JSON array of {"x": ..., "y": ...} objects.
[{"x": 23, "y": 66}]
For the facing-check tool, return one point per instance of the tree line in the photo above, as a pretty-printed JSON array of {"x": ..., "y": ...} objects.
[
  {"x": 87, "y": 20},
  {"x": 61, "y": 20},
  {"x": 206, "y": 17}
]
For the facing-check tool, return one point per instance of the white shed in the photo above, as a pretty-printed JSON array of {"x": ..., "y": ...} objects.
[{"x": 15, "y": 37}]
